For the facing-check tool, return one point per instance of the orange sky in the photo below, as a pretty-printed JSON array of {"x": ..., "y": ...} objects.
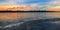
[
  {"x": 19, "y": 7},
  {"x": 57, "y": 8},
  {"x": 25, "y": 8},
  {"x": 14, "y": 8}
]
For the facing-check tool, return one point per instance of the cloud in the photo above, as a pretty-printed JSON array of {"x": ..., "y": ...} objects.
[
  {"x": 52, "y": 4},
  {"x": 10, "y": 2},
  {"x": 24, "y": 1},
  {"x": 33, "y": 4},
  {"x": 55, "y": 2},
  {"x": 28, "y": 7},
  {"x": 57, "y": 8}
]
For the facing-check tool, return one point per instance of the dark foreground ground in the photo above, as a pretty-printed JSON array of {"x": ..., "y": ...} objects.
[{"x": 42, "y": 24}]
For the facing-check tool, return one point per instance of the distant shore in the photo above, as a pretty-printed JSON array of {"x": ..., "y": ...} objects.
[{"x": 27, "y": 11}]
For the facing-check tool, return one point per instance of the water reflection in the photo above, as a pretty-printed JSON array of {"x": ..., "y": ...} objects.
[
  {"x": 53, "y": 14},
  {"x": 21, "y": 16},
  {"x": 28, "y": 16},
  {"x": 9, "y": 16}
]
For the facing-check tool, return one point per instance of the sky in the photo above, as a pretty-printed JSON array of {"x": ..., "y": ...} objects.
[
  {"x": 35, "y": 4},
  {"x": 25, "y": 1}
]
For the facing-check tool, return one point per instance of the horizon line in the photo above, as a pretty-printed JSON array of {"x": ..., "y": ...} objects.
[{"x": 26, "y": 11}]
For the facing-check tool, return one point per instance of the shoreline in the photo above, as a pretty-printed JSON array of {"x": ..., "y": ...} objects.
[{"x": 26, "y": 11}]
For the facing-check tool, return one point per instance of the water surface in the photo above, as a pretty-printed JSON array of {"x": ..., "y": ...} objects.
[{"x": 28, "y": 16}]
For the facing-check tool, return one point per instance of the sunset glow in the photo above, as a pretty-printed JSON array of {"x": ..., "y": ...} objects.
[
  {"x": 29, "y": 5},
  {"x": 11, "y": 16},
  {"x": 19, "y": 7},
  {"x": 57, "y": 8},
  {"x": 13, "y": 8}
]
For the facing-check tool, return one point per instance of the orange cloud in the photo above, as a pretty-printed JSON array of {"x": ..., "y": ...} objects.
[
  {"x": 6, "y": 7},
  {"x": 18, "y": 7},
  {"x": 57, "y": 8},
  {"x": 14, "y": 8}
]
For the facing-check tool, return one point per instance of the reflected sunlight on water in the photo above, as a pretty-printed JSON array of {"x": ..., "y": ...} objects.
[
  {"x": 53, "y": 14},
  {"x": 28, "y": 16},
  {"x": 21, "y": 16},
  {"x": 10, "y": 16}
]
